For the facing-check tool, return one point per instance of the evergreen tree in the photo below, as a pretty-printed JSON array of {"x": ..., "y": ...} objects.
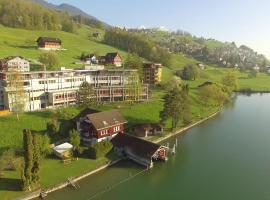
[
  {"x": 36, "y": 159},
  {"x": 28, "y": 160}
]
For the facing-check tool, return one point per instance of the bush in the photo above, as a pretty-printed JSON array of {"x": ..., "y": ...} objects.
[{"x": 100, "y": 149}]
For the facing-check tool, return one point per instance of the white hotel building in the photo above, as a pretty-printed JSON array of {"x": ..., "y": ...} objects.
[{"x": 50, "y": 89}]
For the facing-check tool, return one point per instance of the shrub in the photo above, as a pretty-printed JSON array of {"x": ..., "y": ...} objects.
[{"x": 100, "y": 149}]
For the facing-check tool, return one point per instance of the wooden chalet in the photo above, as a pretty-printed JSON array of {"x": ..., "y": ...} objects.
[
  {"x": 100, "y": 126},
  {"x": 141, "y": 151},
  {"x": 148, "y": 129},
  {"x": 49, "y": 43},
  {"x": 112, "y": 59}
]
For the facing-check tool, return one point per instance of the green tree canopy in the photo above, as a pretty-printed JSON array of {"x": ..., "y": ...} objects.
[{"x": 50, "y": 60}]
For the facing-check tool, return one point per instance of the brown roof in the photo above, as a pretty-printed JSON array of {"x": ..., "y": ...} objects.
[
  {"x": 111, "y": 56},
  {"x": 84, "y": 113},
  {"x": 137, "y": 146},
  {"x": 152, "y": 65},
  {"x": 49, "y": 39},
  {"x": 147, "y": 126},
  {"x": 106, "y": 119}
]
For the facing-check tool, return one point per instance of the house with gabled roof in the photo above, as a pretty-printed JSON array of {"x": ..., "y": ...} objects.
[
  {"x": 49, "y": 43},
  {"x": 112, "y": 59},
  {"x": 14, "y": 63},
  {"x": 100, "y": 126}
]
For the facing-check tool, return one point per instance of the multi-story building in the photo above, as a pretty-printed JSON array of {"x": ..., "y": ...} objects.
[
  {"x": 49, "y": 89},
  {"x": 14, "y": 63},
  {"x": 152, "y": 73}
]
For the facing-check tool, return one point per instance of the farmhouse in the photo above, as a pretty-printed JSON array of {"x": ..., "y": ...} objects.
[
  {"x": 100, "y": 126},
  {"x": 112, "y": 59},
  {"x": 48, "y": 43},
  {"x": 14, "y": 63},
  {"x": 63, "y": 151},
  {"x": 139, "y": 150},
  {"x": 145, "y": 130},
  {"x": 152, "y": 73}
]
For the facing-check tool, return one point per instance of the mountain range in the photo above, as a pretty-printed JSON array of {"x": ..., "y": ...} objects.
[{"x": 70, "y": 9}]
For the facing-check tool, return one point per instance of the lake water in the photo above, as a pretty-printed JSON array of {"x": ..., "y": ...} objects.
[{"x": 225, "y": 158}]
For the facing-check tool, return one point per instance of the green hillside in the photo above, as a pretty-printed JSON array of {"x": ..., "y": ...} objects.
[{"x": 14, "y": 41}]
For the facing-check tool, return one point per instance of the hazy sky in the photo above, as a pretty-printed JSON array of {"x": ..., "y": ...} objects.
[{"x": 243, "y": 21}]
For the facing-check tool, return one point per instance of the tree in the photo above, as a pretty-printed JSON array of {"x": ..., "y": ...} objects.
[
  {"x": 68, "y": 26},
  {"x": 134, "y": 87},
  {"x": 50, "y": 60},
  {"x": 45, "y": 142},
  {"x": 176, "y": 103},
  {"x": 190, "y": 72},
  {"x": 252, "y": 73},
  {"x": 230, "y": 81},
  {"x": 53, "y": 126},
  {"x": 75, "y": 140},
  {"x": 86, "y": 95},
  {"x": 133, "y": 61},
  {"x": 17, "y": 92},
  {"x": 36, "y": 159},
  {"x": 28, "y": 160},
  {"x": 213, "y": 95}
]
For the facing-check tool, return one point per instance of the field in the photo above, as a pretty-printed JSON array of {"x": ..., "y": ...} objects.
[{"x": 13, "y": 42}]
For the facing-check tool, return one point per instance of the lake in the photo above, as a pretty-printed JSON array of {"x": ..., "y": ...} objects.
[{"x": 225, "y": 158}]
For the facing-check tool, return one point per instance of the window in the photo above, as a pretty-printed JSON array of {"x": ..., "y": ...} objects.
[
  {"x": 117, "y": 128},
  {"x": 104, "y": 132}
]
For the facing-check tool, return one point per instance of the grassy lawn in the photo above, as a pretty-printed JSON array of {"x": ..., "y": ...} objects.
[{"x": 53, "y": 172}]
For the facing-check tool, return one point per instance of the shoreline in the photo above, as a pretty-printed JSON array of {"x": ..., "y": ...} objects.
[{"x": 60, "y": 186}]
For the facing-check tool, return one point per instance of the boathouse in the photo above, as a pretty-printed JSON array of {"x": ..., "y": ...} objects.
[{"x": 141, "y": 151}]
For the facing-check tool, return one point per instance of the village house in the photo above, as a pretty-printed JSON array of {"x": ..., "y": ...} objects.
[
  {"x": 63, "y": 151},
  {"x": 51, "y": 89},
  {"x": 112, "y": 59},
  {"x": 100, "y": 126},
  {"x": 14, "y": 63},
  {"x": 148, "y": 129},
  {"x": 141, "y": 151},
  {"x": 90, "y": 59},
  {"x": 49, "y": 43},
  {"x": 152, "y": 73}
]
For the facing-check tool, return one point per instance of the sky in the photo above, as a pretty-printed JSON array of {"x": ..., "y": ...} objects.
[{"x": 242, "y": 21}]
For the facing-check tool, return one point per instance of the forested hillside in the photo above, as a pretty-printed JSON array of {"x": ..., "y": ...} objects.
[
  {"x": 28, "y": 15},
  {"x": 206, "y": 50}
]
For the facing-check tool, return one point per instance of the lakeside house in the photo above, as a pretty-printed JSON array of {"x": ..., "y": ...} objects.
[
  {"x": 49, "y": 43},
  {"x": 100, "y": 126},
  {"x": 152, "y": 73},
  {"x": 141, "y": 151},
  {"x": 63, "y": 151},
  {"x": 51, "y": 89},
  {"x": 147, "y": 129},
  {"x": 14, "y": 63}
]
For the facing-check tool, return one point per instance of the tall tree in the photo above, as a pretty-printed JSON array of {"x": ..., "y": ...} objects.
[
  {"x": 86, "y": 95},
  {"x": 17, "y": 92},
  {"x": 36, "y": 158},
  {"x": 230, "y": 80},
  {"x": 28, "y": 160},
  {"x": 134, "y": 88},
  {"x": 133, "y": 61},
  {"x": 75, "y": 140},
  {"x": 176, "y": 103}
]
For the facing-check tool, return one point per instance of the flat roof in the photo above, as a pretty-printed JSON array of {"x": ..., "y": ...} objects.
[{"x": 63, "y": 147}]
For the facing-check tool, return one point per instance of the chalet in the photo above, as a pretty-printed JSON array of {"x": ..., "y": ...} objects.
[
  {"x": 112, "y": 59},
  {"x": 48, "y": 43},
  {"x": 141, "y": 151},
  {"x": 100, "y": 126},
  {"x": 63, "y": 151},
  {"x": 145, "y": 130},
  {"x": 14, "y": 63},
  {"x": 152, "y": 73}
]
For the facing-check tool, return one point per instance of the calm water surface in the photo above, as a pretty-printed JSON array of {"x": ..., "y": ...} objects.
[{"x": 226, "y": 158}]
